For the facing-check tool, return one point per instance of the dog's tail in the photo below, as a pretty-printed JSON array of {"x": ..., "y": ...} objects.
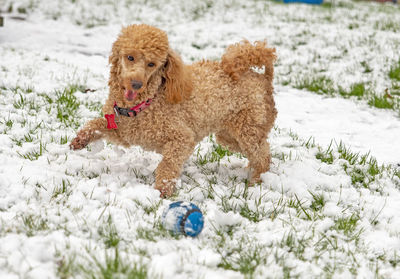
[{"x": 240, "y": 57}]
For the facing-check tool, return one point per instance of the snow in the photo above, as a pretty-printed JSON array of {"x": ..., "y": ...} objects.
[
  {"x": 333, "y": 119},
  {"x": 60, "y": 206}
]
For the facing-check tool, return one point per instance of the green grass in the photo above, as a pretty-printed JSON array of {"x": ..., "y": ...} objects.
[
  {"x": 34, "y": 154},
  {"x": 33, "y": 224},
  {"x": 346, "y": 154},
  {"x": 302, "y": 211},
  {"x": 109, "y": 234},
  {"x": 319, "y": 85},
  {"x": 318, "y": 202},
  {"x": 362, "y": 169},
  {"x": 67, "y": 106},
  {"x": 382, "y": 102},
  {"x": 155, "y": 233},
  {"x": 113, "y": 266},
  {"x": 19, "y": 104},
  {"x": 362, "y": 91},
  {"x": 63, "y": 140},
  {"x": 294, "y": 244},
  {"x": 325, "y": 86},
  {"x": 61, "y": 103},
  {"x": 326, "y": 5},
  {"x": 254, "y": 215},
  {"x": 94, "y": 265},
  {"x": 242, "y": 259},
  {"x": 347, "y": 224},
  {"x": 215, "y": 155},
  {"x": 238, "y": 200},
  {"x": 24, "y": 100},
  {"x": 9, "y": 123},
  {"x": 353, "y": 25},
  {"x": 387, "y": 25},
  {"x": 147, "y": 179},
  {"x": 26, "y": 138},
  {"x": 64, "y": 190},
  {"x": 394, "y": 72},
  {"x": 325, "y": 156},
  {"x": 395, "y": 90},
  {"x": 149, "y": 209},
  {"x": 66, "y": 266},
  {"x": 357, "y": 90},
  {"x": 31, "y": 136},
  {"x": 367, "y": 68}
]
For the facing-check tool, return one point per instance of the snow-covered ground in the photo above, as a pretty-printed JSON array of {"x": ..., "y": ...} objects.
[
  {"x": 321, "y": 211},
  {"x": 360, "y": 127}
]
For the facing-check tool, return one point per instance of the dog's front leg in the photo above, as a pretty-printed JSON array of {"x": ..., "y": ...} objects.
[
  {"x": 93, "y": 130},
  {"x": 175, "y": 153}
]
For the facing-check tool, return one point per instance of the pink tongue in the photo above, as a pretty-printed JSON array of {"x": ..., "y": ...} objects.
[{"x": 130, "y": 95}]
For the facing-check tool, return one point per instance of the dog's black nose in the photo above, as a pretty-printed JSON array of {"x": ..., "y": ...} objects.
[{"x": 136, "y": 84}]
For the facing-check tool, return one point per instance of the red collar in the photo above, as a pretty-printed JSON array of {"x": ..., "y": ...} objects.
[{"x": 129, "y": 112}]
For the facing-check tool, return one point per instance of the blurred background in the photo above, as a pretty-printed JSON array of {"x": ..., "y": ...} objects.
[{"x": 341, "y": 48}]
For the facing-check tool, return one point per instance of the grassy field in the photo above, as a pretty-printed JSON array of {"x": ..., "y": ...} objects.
[{"x": 321, "y": 212}]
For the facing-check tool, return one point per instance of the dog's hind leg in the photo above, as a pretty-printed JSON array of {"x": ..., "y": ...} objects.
[
  {"x": 252, "y": 140},
  {"x": 259, "y": 161}
]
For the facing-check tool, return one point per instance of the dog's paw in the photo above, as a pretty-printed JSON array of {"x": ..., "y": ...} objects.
[
  {"x": 81, "y": 140},
  {"x": 253, "y": 182},
  {"x": 167, "y": 189}
]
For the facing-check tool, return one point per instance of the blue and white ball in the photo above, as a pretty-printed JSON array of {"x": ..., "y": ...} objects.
[{"x": 183, "y": 218}]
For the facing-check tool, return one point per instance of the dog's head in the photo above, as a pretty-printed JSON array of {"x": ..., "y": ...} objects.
[{"x": 142, "y": 61}]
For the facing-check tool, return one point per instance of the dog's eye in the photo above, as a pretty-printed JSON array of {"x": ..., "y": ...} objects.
[
  {"x": 151, "y": 64},
  {"x": 130, "y": 58}
]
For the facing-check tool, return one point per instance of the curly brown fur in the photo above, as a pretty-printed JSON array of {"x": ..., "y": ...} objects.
[
  {"x": 189, "y": 102},
  {"x": 238, "y": 58}
]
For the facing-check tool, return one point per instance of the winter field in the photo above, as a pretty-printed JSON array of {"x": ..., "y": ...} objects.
[{"x": 329, "y": 207}]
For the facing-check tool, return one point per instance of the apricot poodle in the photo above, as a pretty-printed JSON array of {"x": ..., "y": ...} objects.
[{"x": 159, "y": 103}]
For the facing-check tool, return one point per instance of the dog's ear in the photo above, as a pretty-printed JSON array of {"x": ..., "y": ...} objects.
[
  {"x": 178, "y": 82},
  {"x": 115, "y": 65},
  {"x": 114, "y": 81}
]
